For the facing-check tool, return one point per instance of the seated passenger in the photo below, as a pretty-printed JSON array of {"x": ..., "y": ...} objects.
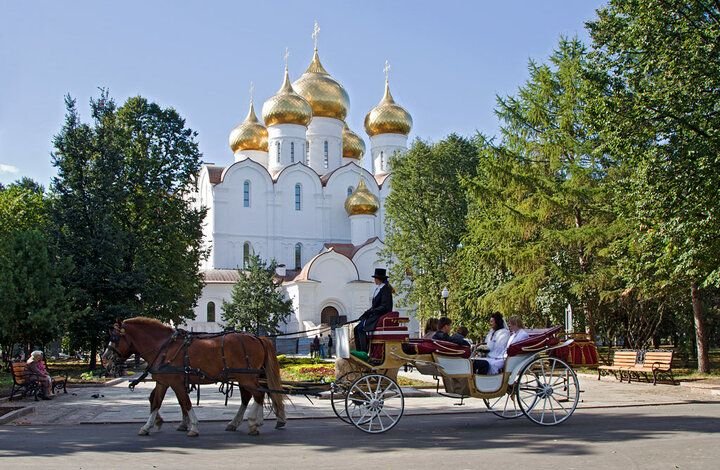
[
  {"x": 496, "y": 342},
  {"x": 431, "y": 326},
  {"x": 517, "y": 333},
  {"x": 38, "y": 372},
  {"x": 461, "y": 335},
  {"x": 443, "y": 331}
]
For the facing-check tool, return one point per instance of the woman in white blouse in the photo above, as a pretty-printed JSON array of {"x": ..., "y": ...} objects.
[{"x": 496, "y": 343}]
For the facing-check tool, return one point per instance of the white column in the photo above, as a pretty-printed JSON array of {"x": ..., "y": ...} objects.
[
  {"x": 291, "y": 138},
  {"x": 320, "y": 131},
  {"x": 362, "y": 228},
  {"x": 255, "y": 155},
  {"x": 382, "y": 147}
]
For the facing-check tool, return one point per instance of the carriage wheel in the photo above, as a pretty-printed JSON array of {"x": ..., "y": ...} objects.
[
  {"x": 508, "y": 406},
  {"x": 374, "y": 403},
  {"x": 553, "y": 396},
  {"x": 339, "y": 391}
]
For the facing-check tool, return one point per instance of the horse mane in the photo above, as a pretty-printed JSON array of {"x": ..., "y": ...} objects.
[{"x": 145, "y": 321}]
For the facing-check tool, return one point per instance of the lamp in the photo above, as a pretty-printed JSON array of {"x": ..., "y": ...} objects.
[{"x": 445, "y": 294}]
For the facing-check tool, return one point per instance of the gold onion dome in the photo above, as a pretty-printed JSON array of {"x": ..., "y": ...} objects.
[
  {"x": 362, "y": 201},
  {"x": 286, "y": 107},
  {"x": 388, "y": 117},
  {"x": 249, "y": 134},
  {"x": 326, "y": 96},
  {"x": 352, "y": 145}
]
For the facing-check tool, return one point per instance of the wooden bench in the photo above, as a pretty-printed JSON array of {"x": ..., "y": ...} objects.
[
  {"x": 23, "y": 385},
  {"x": 657, "y": 362},
  {"x": 623, "y": 360}
]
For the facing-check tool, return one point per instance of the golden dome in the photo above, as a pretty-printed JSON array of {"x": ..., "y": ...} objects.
[
  {"x": 326, "y": 96},
  {"x": 388, "y": 117},
  {"x": 249, "y": 134},
  {"x": 352, "y": 145},
  {"x": 286, "y": 107},
  {"x": 362, "y": 201}
]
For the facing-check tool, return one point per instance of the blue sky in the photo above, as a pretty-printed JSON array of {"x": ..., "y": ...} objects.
[{"x": 449, "y": 61}]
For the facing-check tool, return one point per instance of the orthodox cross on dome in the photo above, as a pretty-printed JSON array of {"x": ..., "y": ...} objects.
[
  {"x": 252, "y": 91},
  {"x": 285, "y": 57},
  {"x": 386, "y": 69},
  {"x": 315, "y": 33}
]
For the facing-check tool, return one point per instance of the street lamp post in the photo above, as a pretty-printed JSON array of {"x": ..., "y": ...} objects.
[{"x": 445, "y": 294}]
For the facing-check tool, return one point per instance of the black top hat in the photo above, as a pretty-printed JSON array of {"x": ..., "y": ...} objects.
[{"x": 380, "y": 273}]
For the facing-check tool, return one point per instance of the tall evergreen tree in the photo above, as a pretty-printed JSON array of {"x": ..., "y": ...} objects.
[
  {"x": 425, "y": 217},
  {"x": 662, "y": 116},
  {"x": 256, "y": 303},
  {"x": 538, "y": 220},
  {"x": 124, "y": 215}
]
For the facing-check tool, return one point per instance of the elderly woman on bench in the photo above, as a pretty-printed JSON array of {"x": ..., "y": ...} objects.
[{"x": 38, "y": 372}]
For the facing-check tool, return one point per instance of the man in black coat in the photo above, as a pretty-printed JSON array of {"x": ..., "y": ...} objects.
[{"x": 382, "y": 303}]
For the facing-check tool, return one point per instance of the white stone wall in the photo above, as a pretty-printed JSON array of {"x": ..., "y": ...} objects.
[
  {"x": 382, "y": 147},
  {"x": 321, "y": 130}
]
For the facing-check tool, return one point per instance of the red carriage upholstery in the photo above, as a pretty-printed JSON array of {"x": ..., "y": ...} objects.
[
  {"x": 390, "y": 327},
  {"x": 539, "y": 339},
  {"x": 428, "y": 346},
  {"x": 582, "y": 352}
]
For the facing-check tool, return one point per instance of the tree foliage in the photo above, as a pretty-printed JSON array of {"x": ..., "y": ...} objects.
[
  {"x": 425, "y": 217},
  {"x": 124, "y": 215},
  {"x": 256, "y": 303}
]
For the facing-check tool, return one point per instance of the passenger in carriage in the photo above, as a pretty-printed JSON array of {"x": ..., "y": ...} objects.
[
  {"x": 443, "y": 332},
  {"x": 517, "y": 333},
  {"x": 461, "y": 335},
  {"x": 382, "y": 303},
  {"x": 496, "y": 343},
  {"x": 431, "y": 327}
]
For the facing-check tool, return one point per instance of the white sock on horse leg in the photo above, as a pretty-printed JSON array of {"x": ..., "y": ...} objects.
[
  {"x": 151, "y": 421},
  {"x": 260, "y": 414},
  {"x": 252, "y": 418},
  {"x": 193, "y": 420},
  {"x": 237, "y": 420}
]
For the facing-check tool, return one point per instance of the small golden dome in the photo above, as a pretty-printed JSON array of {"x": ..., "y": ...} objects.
[
  {"x": 352, "y": 145},
  {"x": 326, "y": 96},
  {"x": 286, "y": 107},
  {"x": 362, "y": 201},
  {"x": 388, "y": 117},
  {"x": 249, "y": 134}
]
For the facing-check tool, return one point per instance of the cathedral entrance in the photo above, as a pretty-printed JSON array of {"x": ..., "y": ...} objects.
[{"x": 330, "y": 316}]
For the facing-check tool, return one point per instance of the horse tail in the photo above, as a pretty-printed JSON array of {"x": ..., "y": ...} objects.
[{"x": 272, "y": 375}]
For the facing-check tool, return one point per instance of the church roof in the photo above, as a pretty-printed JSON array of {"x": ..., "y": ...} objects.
[
  {"x": 215, "y": 173},
  {"x": 348, "y": 249},
  {"x": 221, "y": 276}
]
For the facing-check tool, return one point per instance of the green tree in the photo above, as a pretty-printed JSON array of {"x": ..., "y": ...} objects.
[
  {"x": 662, "y": 116},
  {"x": 256, "y": 304},
  {"x": 124, "y": 215},
  {"x": 425, "y": 217},
  {"x": 538, "y": 220}
]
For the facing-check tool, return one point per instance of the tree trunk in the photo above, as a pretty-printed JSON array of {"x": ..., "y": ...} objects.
[
  {"x": 93, "y": 356},
  {"x": 700, "y": 337}
]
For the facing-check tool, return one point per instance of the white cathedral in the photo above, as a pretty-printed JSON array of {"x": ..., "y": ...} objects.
[{"x": 298, "y": 192}]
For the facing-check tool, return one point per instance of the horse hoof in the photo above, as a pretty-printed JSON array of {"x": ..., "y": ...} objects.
[
  {"x": 193, "y": 434},
  {"x": 254, "y": 432},
  {"x": 230, "y": 428},
  {"x": 182, "y": 428},
  {"x": 143, "y": 432},
  {"x": 280, "y": 425}
]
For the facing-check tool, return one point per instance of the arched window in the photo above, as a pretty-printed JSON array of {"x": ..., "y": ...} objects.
[
  {"x": 350, "y": 190},
  {"x": 326, "y": 156},
  {"x": 247, "y": 252},
  {"x": 277, "y": 151},
  {"x": 382, "y": 160},
  {"x": 211, "y": 312},
  {"x": 298, "y": 197},
  {"x": 246, "y": 193},
  {"x": 292, "y": 152},
  {"x": 298, "y": 256}
]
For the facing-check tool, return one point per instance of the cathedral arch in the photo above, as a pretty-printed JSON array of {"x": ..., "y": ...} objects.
[
  {"x": 298, "y": 255},
  {"x": 247, "y": 253},
  {"x": 210, "y": 316}
]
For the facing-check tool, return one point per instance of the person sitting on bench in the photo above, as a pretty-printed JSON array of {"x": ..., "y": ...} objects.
[
  {"x": 38, "y": 372},
  {"x": 382, "y": 303},
  {"x": 443, "y": 332}
]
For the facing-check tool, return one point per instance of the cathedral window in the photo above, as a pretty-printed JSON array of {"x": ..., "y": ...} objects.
[
  {"x": 350, "y": 190},
  {"x": 326, "y": 156},
  {"x": 211, "y": 312},
  {"x": 307, "y": 153},
  {"x": 292, "y": 152},
  {"x": 277, "y": 151},
  {"x": 247, "y": 252},
  {"x": 298, "y": 197},
  {"x": 382, "y": 160},
  {"x": 298, "y": 256},
  {"x": 246, "y": 193}
]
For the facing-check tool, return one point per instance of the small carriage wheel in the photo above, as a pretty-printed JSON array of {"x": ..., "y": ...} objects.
[
  {"x": 374, "y": 403},
  {"x": 339, "y": 390},
  {"x": 553, "y": 396},
  {"x": 508, "y": 406}
]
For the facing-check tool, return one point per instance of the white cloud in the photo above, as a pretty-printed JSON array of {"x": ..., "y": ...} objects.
[{"x": 8, "y": 168}]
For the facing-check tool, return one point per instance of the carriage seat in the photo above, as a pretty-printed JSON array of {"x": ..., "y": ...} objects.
[
  {"x": 435, "y": 346},
  {"x": 390, "y": 327},
  {"x": 539, "y": 339}
]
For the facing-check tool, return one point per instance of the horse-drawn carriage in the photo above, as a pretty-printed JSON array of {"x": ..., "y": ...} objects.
[{"x": 535, "y": 382}]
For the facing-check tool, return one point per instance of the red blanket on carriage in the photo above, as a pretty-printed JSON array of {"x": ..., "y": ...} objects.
[{"x": 539, "y": 339}]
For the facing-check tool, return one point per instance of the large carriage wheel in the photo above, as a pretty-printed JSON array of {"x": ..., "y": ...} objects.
[
  {"x": 339, "y": 391},
  {"x": 374, "y": 403},
  {"x": 553, "y": 396}
]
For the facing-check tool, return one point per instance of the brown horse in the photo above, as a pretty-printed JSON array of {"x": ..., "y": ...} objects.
[{"x": 232, "y": 357}]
